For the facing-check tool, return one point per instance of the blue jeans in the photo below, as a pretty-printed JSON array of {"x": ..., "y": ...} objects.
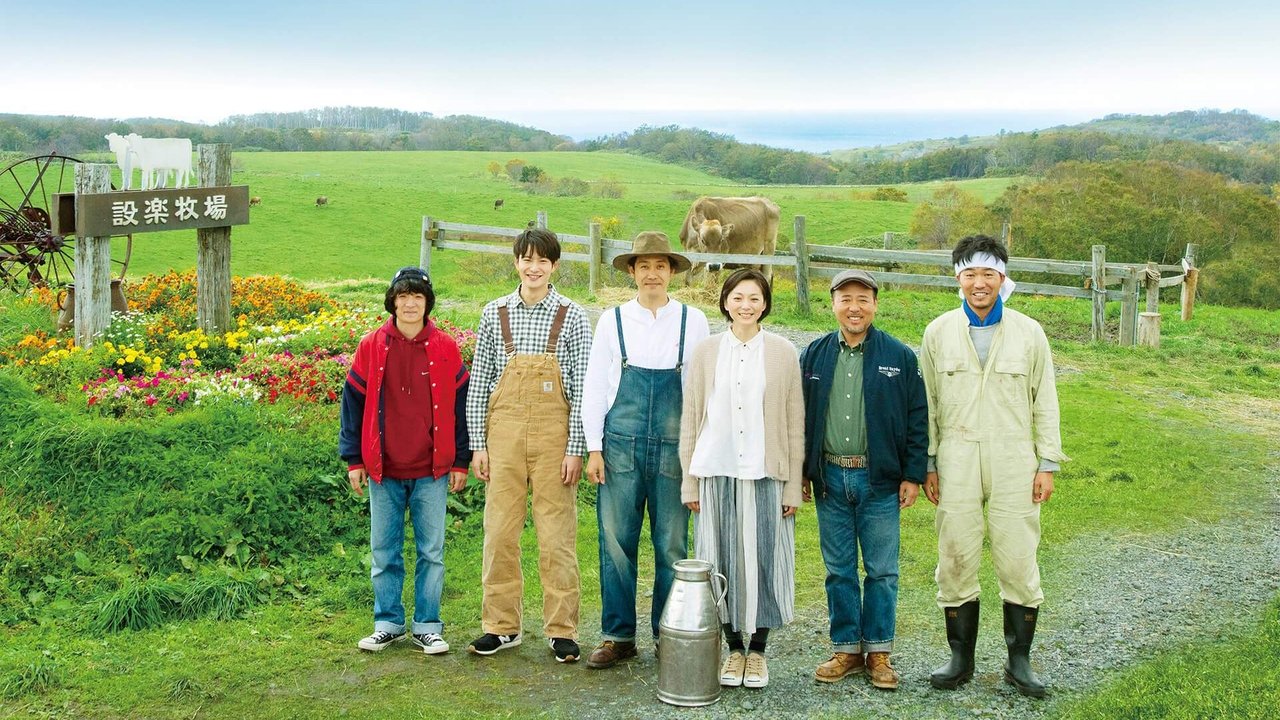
[
  {"x": 424, "y": 498},
  {"x": 853, "y": 515},
  {"x": 638, "y": 472}
]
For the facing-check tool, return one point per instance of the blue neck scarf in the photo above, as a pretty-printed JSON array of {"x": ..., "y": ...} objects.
[{"x": 993, "y": 316}]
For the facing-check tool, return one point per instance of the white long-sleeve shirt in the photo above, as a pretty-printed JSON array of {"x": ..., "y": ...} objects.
[
  {"x": 732, "y": 440},
  {"x": 652, "y": 342}
]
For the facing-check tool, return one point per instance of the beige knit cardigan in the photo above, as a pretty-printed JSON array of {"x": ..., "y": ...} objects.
[{"x": 783, "y": 413}]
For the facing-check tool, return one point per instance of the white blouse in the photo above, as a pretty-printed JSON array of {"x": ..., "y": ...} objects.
[{"x": 732, "y": 440}]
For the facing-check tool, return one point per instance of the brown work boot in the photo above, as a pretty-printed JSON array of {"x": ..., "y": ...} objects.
[
  {"x": 882, "y": 673},
  {"x": 840, "y": 665},
  {"x": 610, "y": 653}
]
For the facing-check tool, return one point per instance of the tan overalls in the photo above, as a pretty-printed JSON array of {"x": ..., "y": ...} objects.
[{"x": 527, "y": 434}]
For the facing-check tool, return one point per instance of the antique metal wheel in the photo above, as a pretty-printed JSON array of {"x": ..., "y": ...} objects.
[{"x": 31, "y": 254}]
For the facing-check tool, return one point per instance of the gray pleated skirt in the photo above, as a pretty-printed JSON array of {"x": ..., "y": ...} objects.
[{"x": 740, "y": 530}]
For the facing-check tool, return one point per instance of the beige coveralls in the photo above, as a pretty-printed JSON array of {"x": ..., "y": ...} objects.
[
  {"x": 989, "y": 427},
  {"x": 528, "y": 431}
]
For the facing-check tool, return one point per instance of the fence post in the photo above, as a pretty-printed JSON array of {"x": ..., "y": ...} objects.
[
  {"x": 213, "y": 254},
  {"x": 888, "y": 240},
  {"x": 424, "y": 252},
  {"x": 1004, "y": 236},
  {"x": 1149, "y": 329},
  {"x": 542, "y": 219},
  {"x": 1129, "y": 308},
  {"x": 800, "y": 248},
  {"x": 593, "y": 251},
  {"x": 1153, "y": 288},
  {"x": 93, "y": 264},
  {"x": 1190, "y": 281},
  {"x": 1099, "y": 279}
]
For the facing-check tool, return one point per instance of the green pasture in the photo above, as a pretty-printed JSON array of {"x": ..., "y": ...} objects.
[{"x": 377, "y": 201}]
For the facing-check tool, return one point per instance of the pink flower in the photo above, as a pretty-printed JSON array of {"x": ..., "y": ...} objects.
[{"x": 151, "y": 400}]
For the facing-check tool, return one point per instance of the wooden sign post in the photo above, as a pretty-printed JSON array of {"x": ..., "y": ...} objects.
[{"x": 99, "y": 213}]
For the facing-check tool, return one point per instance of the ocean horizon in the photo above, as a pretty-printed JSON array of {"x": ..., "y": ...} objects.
[{"x": 810, "y": 132}]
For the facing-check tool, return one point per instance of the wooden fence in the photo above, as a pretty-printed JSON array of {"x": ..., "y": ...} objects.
[{"x": 809, "y": 261}]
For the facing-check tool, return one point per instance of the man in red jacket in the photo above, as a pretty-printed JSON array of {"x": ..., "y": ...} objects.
[{"x": 403, "y": 427}]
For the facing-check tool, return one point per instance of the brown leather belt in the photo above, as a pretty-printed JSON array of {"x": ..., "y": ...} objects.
[{"x": 846, "y": 461}]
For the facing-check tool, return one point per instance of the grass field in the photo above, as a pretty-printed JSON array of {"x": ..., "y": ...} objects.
[{"x": 377, "y": 200}]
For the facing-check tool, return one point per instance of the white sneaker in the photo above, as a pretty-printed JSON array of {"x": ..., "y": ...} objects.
[
  {"x": 431, "y": 643},
  {"x": 732, "y": 670},
  {"x": 380, "y": 639},
  {"x": 757, "y": 674}
]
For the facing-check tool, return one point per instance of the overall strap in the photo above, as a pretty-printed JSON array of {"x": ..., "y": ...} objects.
[
  {"x": 556, "y": 325},
  {"x": 504, "y": 320},
  {"x": 622, "y": 344},
  {"x": 684, "y": 314}
]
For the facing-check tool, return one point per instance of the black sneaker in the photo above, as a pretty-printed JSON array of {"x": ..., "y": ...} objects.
[
  {"x": 380, "y": 639},
  {"x": 566, "y": 650},
  {"x": 488, "y": 643}
]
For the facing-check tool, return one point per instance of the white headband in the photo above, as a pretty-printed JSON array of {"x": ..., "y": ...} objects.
[{"x": 987, "y": 260}]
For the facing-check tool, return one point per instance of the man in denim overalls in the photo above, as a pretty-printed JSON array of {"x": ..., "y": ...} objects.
[{"x": 631, "y": 419}]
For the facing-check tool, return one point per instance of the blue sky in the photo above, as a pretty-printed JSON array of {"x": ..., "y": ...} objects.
[{"x": 522, "y": 60}]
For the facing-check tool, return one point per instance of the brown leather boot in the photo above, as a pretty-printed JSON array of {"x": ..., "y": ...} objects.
[
  {"x": 839, "y": 666},
  {"x": 881, "y": 671},
  {"x": 610, "y": 653}
]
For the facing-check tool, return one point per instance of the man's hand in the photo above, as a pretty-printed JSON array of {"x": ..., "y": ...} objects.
[
  {"x": 694, "y": 506},
  {"x": 806, "y": 490},
  {"x": 788, "y": 511},
  {"x": 595, "y": 467},
  {"x": 480, "y": 464},
  {"x": 1042, "y": 487},
  {"x": 457, "y": 480},
  {"x": 358, "y": 479},
  {"x": 907, "y": 494},
  {"x": 571, "y": 469},
  {"x": 931, "y": 487}
]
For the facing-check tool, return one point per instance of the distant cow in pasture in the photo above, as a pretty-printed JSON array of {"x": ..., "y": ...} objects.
[
  {"x": 730, "y": 225},
  {"x": 157, "y": 157},
  {"x": 497, "y": 203},
  {"x": 322, "y": 200},
  {"x": 255, "y": 201}
]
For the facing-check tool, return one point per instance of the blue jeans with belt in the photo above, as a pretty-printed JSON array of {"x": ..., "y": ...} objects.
[{"x": 853, "y": 516}]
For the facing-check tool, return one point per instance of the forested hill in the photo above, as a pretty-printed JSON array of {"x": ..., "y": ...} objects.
[
  {"x": 333, "y": 128},
  {"x": 1236, "y": 126}
]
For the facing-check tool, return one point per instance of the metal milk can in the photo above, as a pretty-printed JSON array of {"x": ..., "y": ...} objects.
[{"x": 689, "y": 636}]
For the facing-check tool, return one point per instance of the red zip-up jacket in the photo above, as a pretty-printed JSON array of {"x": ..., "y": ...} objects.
[{"x": 362, "y": 422}]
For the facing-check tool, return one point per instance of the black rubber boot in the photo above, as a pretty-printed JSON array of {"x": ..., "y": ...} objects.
[
  {"x": 962, "y": 636},
  {"x": 1019, "y": 629}
]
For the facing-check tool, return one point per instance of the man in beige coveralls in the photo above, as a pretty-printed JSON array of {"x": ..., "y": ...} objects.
[{"x": 993, "y": 443}]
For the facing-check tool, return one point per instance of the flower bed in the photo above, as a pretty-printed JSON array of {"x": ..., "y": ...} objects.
[{"x": 290, "y": 344}]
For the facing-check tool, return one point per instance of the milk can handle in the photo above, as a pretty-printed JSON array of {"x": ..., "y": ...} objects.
[{"x": 724, "y": 588}]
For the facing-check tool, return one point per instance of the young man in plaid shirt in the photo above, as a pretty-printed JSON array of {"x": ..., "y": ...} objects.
[{"x": 531, "y": 356}]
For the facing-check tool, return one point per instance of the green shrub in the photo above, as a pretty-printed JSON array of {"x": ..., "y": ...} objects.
[
  {"x": 35, "y": 678},
  {"x": 571, "y": 187},
  {"x": 138, "y": 604}
]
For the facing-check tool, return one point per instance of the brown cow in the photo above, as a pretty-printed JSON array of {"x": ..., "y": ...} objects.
[
  {"x": 255, "y": 201},
  {"x": 735, "y": 225},
  {"x": 497, "y": 203},
  {"x": 322, "y": 200}
]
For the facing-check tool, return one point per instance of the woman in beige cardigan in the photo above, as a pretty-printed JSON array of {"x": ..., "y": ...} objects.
[{"x": 742, "y": 448}]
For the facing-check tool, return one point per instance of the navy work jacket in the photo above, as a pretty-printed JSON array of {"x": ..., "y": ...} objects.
[{"x": 897, "y": 411}]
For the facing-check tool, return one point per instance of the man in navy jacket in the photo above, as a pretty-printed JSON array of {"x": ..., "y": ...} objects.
[{"x": 866, "y": 433}]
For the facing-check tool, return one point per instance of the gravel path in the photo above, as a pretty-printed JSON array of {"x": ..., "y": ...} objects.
[{"x": 1115, "y": 602}]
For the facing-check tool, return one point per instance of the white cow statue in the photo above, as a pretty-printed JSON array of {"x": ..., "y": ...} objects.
[
  {"x": 157, "y": 157},
  {"x": 124, "y": 158}
]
